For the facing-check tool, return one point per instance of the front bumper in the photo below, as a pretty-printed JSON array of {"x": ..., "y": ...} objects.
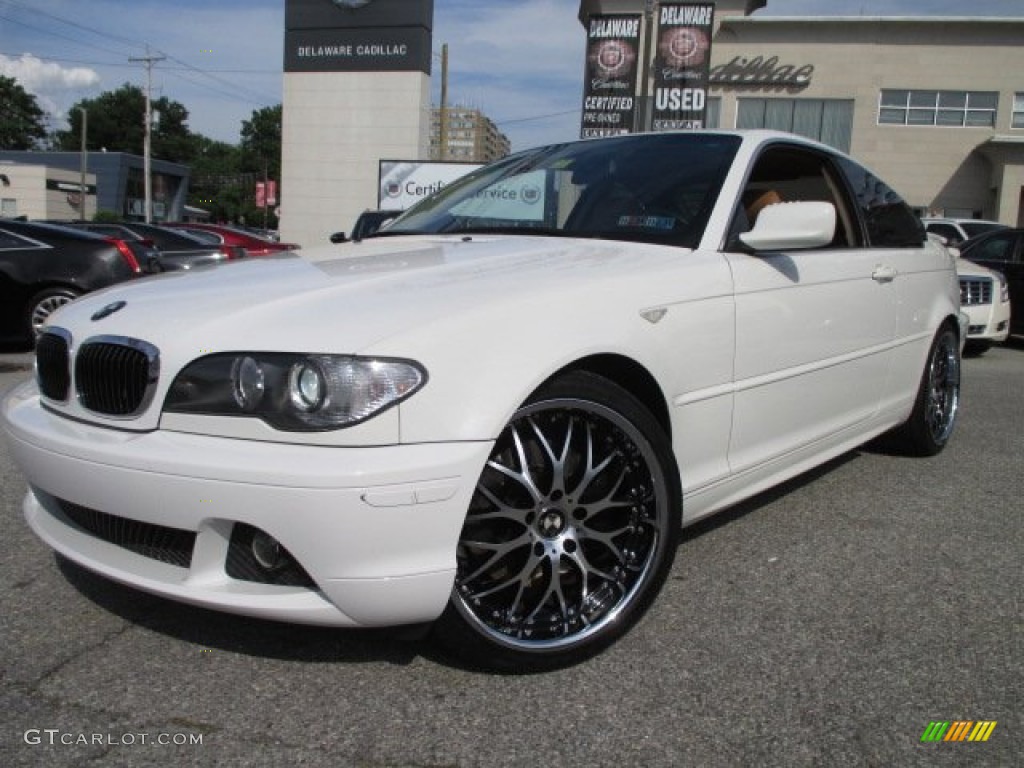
[
  {"x": 988, "y": 322},
  {"x": 374, "y": 528}
]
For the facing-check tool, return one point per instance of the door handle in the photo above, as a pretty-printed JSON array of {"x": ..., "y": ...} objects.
[{"x": 883, "y": 274}]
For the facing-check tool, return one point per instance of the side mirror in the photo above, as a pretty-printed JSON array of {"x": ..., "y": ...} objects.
[
  {"x": 792, "y": 226},
  {"x": 339, "y": 237}
]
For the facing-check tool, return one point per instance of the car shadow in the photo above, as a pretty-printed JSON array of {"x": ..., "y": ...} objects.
[
  {"x": 239, "y": 634},
  {"x": 765, "y": 498}
]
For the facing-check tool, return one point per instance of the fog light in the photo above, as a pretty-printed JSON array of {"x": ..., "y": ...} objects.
[{"x": 267, "y": 551}]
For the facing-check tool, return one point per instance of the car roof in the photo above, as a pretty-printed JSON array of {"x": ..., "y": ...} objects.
[{"x": 46, "y": 229}]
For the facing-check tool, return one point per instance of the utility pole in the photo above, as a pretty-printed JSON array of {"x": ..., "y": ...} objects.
[
  {"x": 444, "y": 102},
  {"x": 148, "y": 61}
]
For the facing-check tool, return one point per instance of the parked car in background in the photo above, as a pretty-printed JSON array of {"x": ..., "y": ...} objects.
[
  {"x": 1002, "y": 251},
  {"x": 495, "y": 416},
  {"x": 957, "y": 230},
  {"x": 985, "y": 298},
  {"x": 178, "y": 249},
  {"x": 223, "y": 235},
  {"x": 45, "y": 266}
]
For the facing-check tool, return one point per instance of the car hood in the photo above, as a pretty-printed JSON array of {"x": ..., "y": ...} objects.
[
  {"x": 965, "y": 268},
  {"x": 348, "y": 297}
]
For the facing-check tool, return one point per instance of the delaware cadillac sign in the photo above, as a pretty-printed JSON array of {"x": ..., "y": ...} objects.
[
  {"x": 358, "y": 35},
  {"x": 681, "y": 66},
  {"x": 609, "y": 95}
]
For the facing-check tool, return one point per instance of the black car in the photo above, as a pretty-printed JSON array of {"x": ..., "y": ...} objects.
[
  {"x": 1002, "y": 250},
  {"x": 368, "y": 223},
  {"x": 178, "y": 249},
  {"x": 44, "y": 266}
]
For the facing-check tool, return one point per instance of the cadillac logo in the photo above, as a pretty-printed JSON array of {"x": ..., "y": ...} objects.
[
  {"x": 108, "y": 310},
  {"x": 351, "y": 4}
]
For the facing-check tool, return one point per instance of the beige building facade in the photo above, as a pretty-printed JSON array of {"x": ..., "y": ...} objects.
[
  {"x": 935, "y": 105},
  {"x": 469, "y": 136},
  {"x": 45, "y": 192}
]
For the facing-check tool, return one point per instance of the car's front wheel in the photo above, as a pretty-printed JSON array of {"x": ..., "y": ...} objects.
[
  {"x": 44, "y": 304},
  {"x": 570, "y": 533}
]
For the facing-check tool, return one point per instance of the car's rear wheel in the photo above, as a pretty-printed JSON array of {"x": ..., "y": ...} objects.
[
  {"x": 931, "y": 422},
  {"x": 570, "y": 533},
  {"x": 44, "y": 304}
]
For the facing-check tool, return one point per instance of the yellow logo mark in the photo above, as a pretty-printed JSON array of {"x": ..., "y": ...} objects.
[{"x": 958, "y": 730}]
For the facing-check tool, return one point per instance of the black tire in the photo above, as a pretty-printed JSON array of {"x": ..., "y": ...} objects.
[
  {"x": 570, "y": 534},
  {"x": 43, "y": 304},
  {"x": 931, "y": 423}
]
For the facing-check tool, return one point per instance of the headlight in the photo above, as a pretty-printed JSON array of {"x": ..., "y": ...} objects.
[
  {"x": 1004, "y": 288},
  {"x": 294, "y": 392}
]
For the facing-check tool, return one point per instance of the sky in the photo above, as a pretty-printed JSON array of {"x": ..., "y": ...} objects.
[{"x": 520, "y": 61}]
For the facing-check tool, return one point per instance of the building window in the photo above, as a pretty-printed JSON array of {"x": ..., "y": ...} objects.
[
  {"x": 972, "y": 109},
  {"x": 829, "y": 121},
  {"x": 713, "y": 117},
  {"x": 1017, "y": 120}
]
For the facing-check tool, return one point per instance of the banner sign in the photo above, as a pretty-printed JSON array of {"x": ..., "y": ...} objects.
[
  {"x": 358, "y": 35},
  {"x": 681, "y": 65},
  {"x": 403, "y": 183},
  {"x": 609, "y": 90}
]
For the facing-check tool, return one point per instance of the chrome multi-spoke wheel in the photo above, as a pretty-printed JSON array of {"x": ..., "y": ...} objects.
[
  {"x": 943, "y": 388},
  {"x": 931, "y": 423},
  {"x": 45, "y": 304},
  {"x": 571, "y": 528}
]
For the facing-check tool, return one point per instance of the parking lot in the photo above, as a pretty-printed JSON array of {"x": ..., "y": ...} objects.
[{"x": 825, "y": 623}]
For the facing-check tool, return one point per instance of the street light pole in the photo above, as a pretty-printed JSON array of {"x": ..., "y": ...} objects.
[{"x": 84, "y": 163}]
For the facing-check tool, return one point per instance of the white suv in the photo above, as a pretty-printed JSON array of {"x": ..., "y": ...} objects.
[
  {"x": 985, "y": 298},
  {"x": 957, "y": 230}
]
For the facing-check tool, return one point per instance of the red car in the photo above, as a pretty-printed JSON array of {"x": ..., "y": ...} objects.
[{"x": 224, "y": 235}]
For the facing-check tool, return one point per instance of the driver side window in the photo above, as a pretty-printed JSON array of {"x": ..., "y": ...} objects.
[{"x": 786, "y": 174}]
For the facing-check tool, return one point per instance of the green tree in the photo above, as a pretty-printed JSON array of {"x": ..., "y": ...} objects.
[
  {"x": 216, "y": 181},
  {"x": 116, "y": 122},
  {"x": 261, "y": 157},
  {"x": 23, "y": 123},
  {"x": 261, "y": 142}
]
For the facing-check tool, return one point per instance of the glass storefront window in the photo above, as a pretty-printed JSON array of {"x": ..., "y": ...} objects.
[
  {"x": 953, "y": 109},
  {"x": 1017, "y": 120}
]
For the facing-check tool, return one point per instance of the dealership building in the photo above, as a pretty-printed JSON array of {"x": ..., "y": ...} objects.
[{"x": 934, "y": 104}]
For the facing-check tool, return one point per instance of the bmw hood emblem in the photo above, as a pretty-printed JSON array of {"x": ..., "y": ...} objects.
[{"x": 108, "y": 310}]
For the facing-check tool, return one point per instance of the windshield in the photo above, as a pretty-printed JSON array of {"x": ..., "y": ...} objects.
[{"x": 649, "y": 188}]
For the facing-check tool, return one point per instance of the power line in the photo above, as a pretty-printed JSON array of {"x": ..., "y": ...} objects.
[
  {"x": 247, "y": 95},
  {"x": 537, "y": 117}
]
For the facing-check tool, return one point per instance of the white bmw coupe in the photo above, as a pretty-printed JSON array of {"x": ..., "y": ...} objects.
[{"x": 494, "y": 416}]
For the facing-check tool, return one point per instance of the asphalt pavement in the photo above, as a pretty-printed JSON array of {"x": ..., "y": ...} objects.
[{"x": 826, "y": 623}]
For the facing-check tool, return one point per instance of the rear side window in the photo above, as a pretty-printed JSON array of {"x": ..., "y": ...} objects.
[
  {"x": 889, "y": 221},
  {"x": 995, "y": 248},
  {"x": 947, "y": 231},
  {"x": 9, "y": 240}
]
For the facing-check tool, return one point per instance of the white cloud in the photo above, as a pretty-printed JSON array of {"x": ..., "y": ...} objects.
[
  {"x": 521, "y": 63},
  {"x": 55, "y": 87},
  {"x": 39, "y": 77}
]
